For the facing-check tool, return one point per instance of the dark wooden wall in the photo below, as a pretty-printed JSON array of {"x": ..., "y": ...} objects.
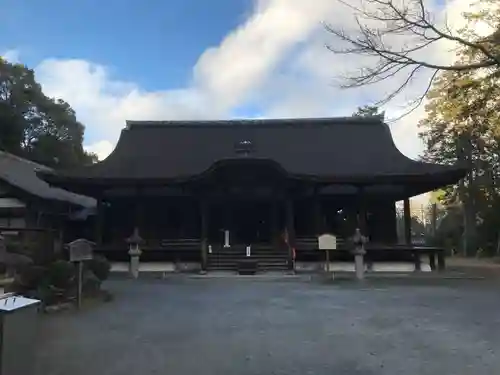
[{"x": 179, "y": 217}]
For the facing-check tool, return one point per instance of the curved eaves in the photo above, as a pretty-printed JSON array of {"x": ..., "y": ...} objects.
[
  {"x": 417, "y": 166},
  {"x": 273, "y": 165},
  {"x": 92, "y": 170}
]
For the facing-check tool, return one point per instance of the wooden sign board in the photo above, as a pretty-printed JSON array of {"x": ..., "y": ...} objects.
[
  {"x": 327, "y": 242},
  {"x": 80, "y": 250}
]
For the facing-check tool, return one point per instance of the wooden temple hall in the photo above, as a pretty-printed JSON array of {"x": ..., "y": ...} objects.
[{"x": 211, "y": 193}]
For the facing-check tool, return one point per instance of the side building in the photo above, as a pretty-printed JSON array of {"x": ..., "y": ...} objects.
[
  {"x": 198, "y": 189},
  {"x": 28, "y": 203}
]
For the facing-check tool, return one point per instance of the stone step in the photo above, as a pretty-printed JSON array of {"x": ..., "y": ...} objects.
[
  {"x": 264, "y": 262},
  {"x": 252, "y": 252},
  {"x": 258, "y": 260},
  {"x": 253, "y": 256}
]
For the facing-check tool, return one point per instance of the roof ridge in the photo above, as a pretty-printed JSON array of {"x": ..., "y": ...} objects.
[
  {"x": 256, "y": 121},
  {"x": 26, "y": 161}
]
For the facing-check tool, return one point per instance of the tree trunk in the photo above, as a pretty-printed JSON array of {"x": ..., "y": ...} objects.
[{"x": 467, "y": 195}]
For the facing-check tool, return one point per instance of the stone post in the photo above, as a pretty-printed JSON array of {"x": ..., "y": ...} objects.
[
  {"x": 359, "y": 251},
  {"x": 135, "y": 252}
]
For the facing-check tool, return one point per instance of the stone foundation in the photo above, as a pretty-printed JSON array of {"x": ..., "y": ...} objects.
[
  {"x": 168, "y": 267},
  {"x": 349, "y": 267},
  {"x": 189, "y": 267}
]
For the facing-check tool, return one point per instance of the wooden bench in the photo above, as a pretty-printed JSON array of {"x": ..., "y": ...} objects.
[
  {"x": 414, "y": 251},
  {"x": 307, "y": 250}
]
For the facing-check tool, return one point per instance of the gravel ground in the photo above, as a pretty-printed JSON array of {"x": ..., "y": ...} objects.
[{"x": 244, "y": 326}]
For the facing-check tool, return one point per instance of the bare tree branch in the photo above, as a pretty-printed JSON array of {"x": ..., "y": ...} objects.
[
  {"x": 418, "y": 101},
  {"x": 409, "y": 18}
]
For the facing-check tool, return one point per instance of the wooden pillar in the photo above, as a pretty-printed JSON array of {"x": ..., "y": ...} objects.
[
  {"x": 204, "y": 211},
  {"x": 434, "y": 215},
  {"x": 228, "y": 219},
  {"x": 138, "y": 220},
  {"x": 361, "y": 222},
  {"x": 407, "y": 226},
  {"x": 317, "y": 215},
  {"x": 182, "y": 207},
  {"x": 274, "y": 223},
  {"x": 99, "y": 222},
  {"x": 290, "y": 227},
  {"x": 407, "y": 220},
  {"x": 361, "y": 211},
  {"x": 140, "y": 213},
  {"x": 317, "y": 220}
]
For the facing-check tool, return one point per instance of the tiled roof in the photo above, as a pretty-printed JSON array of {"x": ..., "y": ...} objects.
[
  {"x": 21, "y": 173},
  {"x": 331, "y": 148}
]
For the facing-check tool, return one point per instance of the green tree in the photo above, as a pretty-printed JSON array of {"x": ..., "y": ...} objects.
[
  {"x": 369, "y": 111},
  {"x": 463, "y": 124},
  {"x": 18, "y": 91},
  {"x": 35, "y": 126}
]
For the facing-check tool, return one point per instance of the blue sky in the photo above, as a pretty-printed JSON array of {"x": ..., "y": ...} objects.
[
  {"x": 154, "y": 42},
  {"x": 115, "y": 60}
]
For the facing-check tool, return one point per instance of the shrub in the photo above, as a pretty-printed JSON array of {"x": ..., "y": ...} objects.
[
  {"x": 3, "y": 269},
  {"x": 99, "y": 266},
  {"x": 91, "y": 284},
  {"x": 61, "y": 274},
  {"x": 57, "y": 281},
  {"x": 31, "y": 276}
]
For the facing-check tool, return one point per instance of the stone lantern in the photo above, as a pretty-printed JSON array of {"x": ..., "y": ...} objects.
[
  {"x": 359, "y": 252},
  {"x": 134, "y": 250}
]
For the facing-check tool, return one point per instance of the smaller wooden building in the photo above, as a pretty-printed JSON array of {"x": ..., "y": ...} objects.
[
  {"x": 27, "y": 201},
  {"x": 208, "y": 191}
]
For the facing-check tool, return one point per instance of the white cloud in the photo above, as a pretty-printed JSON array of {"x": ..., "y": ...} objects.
[
  {"x": 246, "y": 57},
  {"x": 11, "y": 55},
  {"x": 103, "y": 103},
  {"x": 102, "y": 149},
  {"x": 276, "y": 58}
]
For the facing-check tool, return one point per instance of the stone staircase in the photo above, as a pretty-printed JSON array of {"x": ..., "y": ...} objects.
[{"x": 268, "y": 258}]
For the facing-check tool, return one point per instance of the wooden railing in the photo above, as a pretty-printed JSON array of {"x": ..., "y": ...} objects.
[
  {"x": 189, "y": 250},
  {"x": 174, "y": 250},
  {"x": 311, "y": 243}
]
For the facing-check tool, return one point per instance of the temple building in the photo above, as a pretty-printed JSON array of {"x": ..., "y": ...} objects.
[{"x": 211, "y": 192}]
